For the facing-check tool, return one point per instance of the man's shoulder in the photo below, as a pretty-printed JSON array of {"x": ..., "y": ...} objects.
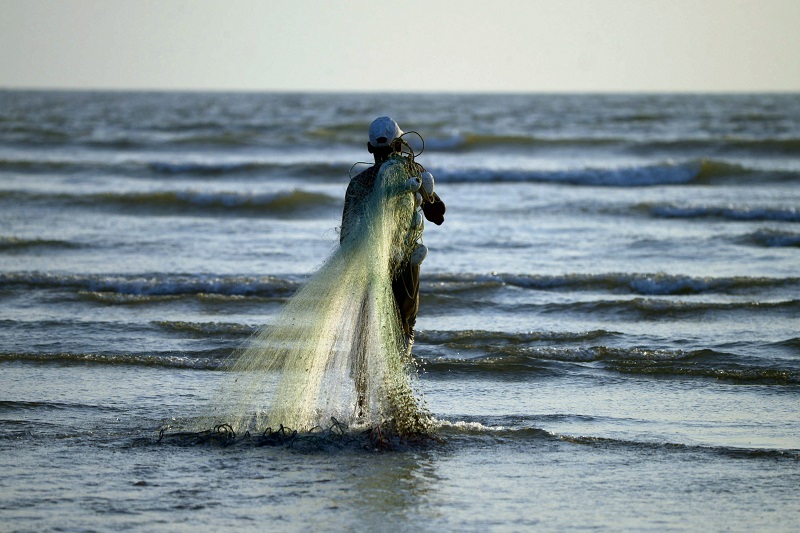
[
  {"x": 369, "y": 174},
  {"x": 362, "y": 181},
  {"x": 366, "y": 174}
]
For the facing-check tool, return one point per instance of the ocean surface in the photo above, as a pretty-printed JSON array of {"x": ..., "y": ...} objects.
[{"x": 608, "y": 334}]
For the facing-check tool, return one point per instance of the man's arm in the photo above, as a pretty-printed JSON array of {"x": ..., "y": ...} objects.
[
  {"x": 434, "y": 210},
  {"x": 433, "y": 207}
]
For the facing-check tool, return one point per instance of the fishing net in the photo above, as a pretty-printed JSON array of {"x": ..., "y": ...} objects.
[
  {"x": 337, "y": 351},
  {"x": 336, "y": 436}
]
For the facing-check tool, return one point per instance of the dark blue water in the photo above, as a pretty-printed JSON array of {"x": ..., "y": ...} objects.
[{"x": 608, "y": 331}]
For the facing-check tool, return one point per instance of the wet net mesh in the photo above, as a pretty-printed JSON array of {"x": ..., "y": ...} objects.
[{"x": 336, "y": 351}]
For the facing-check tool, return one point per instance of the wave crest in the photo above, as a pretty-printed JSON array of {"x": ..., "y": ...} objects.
[
  {"x": 637, "y": 283},
  {"x": 698, "y": 171},
  {"x": 743, "y": 213},
  {"x": 772, "y": 238},
  {"x": 10, "y": 244},
  {"x": 157, "y": 284},
  {"x": 294, "y": 201}
]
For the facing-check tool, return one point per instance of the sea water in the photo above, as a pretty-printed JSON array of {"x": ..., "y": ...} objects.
[{"x": 607, "y": 337}]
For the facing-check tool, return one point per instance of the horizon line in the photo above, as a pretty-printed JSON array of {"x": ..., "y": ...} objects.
[{"x": 443, "y": 92}]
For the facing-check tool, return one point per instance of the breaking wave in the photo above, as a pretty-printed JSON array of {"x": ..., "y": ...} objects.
[
  {"x": 208, "y": 328},
  {"x": 146, "y": 164},
  {"x": 733, "y": 452},
  {"x": 284, "y": 202},
  {"x": 10, "y": 244},
  {"x": 702, "y": 171},
  {"x": 470, "y": 337},
  {"x": 772, "y": 238},
  {"x": 464, "y": 142},
  {"x": 621, "y": 283},
  {"x": 516, "y": 361},
  {"x": 158, "y": 284},
  {"x": 200, "y": 360},
  {"x": 519, "y": 360},
  {"x": 745, "y": 213},
  {"x": 326, "y": 165},
  {"x": 655, "y": 284},
  {"x": 471, "y": 429},
  {"x": 211, "y": 168}
]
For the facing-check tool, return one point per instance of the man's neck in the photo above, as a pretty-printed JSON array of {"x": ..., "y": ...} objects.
[{"x": 382, "y": 154}]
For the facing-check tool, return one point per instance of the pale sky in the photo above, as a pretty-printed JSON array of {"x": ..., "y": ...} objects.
[{"x": 402, "y": 45}]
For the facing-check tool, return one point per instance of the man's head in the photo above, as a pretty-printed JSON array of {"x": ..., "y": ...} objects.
[{"x": 383, "y": 134}]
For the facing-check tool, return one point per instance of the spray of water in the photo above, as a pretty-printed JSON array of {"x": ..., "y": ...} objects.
[{"x": 337, "y": 348}]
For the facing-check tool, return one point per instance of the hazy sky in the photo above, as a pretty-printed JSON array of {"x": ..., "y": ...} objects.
[{"x": 403, "y": 45}]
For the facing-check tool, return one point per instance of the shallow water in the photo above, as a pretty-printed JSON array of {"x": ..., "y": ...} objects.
[{"x": 607, "y": 335}]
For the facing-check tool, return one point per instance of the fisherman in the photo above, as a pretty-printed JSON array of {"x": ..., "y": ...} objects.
[{"x": 385, "y": 141}]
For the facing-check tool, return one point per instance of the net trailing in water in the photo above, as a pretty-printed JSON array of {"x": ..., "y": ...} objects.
[{"x": 337, "y": 349}]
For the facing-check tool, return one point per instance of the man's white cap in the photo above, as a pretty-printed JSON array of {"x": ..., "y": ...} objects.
[{"x": 383, "y": 131}]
